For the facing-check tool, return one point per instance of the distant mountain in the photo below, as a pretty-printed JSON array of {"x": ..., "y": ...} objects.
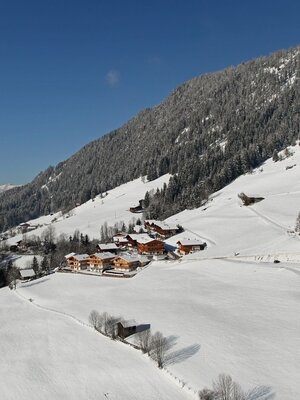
[
  {"x": 4, "y": 188},
  {"x": 210, "y": 130}
]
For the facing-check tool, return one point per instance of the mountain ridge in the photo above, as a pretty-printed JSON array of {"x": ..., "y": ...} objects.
[{"x": 208, "y": 131}]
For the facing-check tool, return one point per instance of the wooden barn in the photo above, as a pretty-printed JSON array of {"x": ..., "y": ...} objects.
[
  {"x": 186, "y": 246},
  {"x": 126, "y": 328},
  {"x": 126, "y": 263},
  {"x": 99, "y": 261}
]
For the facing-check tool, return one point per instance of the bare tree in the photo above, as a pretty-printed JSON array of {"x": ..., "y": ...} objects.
[
  {"x": 226, "y": 389},
  {"x": 12, "y": 275},
  {"x": 207, "y": 394},
  {"x": 108, "y": 324},
  {"x": 159, "y": 347},
  {"x": 94, "y": 319},
  {"x": 143, "y": 340}
]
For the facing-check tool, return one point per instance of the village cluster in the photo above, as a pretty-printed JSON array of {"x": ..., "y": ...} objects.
[{"x": 127, "y": 252}]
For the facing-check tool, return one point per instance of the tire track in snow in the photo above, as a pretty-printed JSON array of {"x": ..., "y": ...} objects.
[
  {"x": 267, "y": 219},
  {"x": 201, "y": 236}
]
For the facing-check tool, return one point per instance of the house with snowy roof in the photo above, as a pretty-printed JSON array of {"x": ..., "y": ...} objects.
[
  {"x": 126, "y": 262},
  {"x": 78, "y": 262},
  {"x": 98, "y": 261},
  {"x": 187, "y": 245},
  {"x": 145, "y": 244},
  {"x": 161, "y": 228}
]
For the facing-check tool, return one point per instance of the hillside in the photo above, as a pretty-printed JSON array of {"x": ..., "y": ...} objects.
[
  {"x": 4, "y": 188},
  {"x": 210, "y": 130},
  {"x": 226, "y": 309}
]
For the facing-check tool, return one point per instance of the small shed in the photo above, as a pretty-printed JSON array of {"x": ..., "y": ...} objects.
[
  {"x": 126, "y": 328},
  {"x": 27, "y": 274}
]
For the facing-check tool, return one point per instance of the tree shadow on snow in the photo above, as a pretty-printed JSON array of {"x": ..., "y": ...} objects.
[
  {"x": 35, "y": 282},
  {"x": 180, "y": 355},
  {"x": 261, "y": 393}
]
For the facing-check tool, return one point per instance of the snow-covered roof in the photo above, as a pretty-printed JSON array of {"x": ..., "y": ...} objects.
[
  {"x": 70, "y": 255},
  {"x": 81, "y": 257},
  {"x": 129, "y": 258},
  {"x": 27, "y": 273},
  {"x": 162, "y": 224},
  {"x": 107, "y": 246},
  {"x": 129, "y": 323},
  {"x": 140, "y": 237},
  {"x": 105, "y": 255},
  {"x": 190, "y": 242}
]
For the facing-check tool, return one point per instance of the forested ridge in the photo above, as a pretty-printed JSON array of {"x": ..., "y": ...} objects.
[{"x": 210, "y": 130}]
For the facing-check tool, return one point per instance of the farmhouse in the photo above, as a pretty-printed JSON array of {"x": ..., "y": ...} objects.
[
  {"x": 134, "y": 238},
  {"x": 111, "y": 247},
  {"x": 186, "y": 246},
  {"x": 98, "y": 261},
  {"x": 126, "y": 263},
  {"x": 150, "y": 246},
  {"x": 78, "y": 262},
  {"x": 161, "y": 228}
]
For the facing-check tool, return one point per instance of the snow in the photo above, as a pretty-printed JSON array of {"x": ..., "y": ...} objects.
[
  {"x": 227, "y": 309},
  {"x": 47, "y": 355},
  {"x": 7, "y": 186},
  {"x": 89, "y": 216}
]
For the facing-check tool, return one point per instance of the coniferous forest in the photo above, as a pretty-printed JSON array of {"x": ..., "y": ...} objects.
[{"x": 209, "y": 131}]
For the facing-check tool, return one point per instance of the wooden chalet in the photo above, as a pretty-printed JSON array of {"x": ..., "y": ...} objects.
[
  {"x": 150, "y": 246},
  {"x": 78, "y": 262},
  {"x": 98, "y": 261},
  {"x": 126, "y": 263},
  {"x": 111, "y": 247},
  {"x": 186, "y": 246},
  {"x": 161, "y": 228},
  {"x": 134, "y": 238}
]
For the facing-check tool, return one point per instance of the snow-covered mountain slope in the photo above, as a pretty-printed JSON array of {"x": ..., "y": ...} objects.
[
  {"x": 4, "y": 188},
  {"x": 237, "y": 314},
  {"x": 264, "y": 228},
  {"x": 46, "y": 355},
  {"x": 88, "y": 217}
]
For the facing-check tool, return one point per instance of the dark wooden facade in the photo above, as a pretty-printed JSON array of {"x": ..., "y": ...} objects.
[{"x": 153, "y": 247}]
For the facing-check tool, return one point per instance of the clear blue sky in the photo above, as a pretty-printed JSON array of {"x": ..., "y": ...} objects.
[{"x": 73, "y": 70}]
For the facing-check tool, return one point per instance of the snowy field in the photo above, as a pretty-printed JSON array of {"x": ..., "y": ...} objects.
[{"x": 223, "y": 313}]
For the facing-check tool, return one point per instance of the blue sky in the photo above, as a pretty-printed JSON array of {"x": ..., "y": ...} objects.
[{"x": 73, "y": 70}]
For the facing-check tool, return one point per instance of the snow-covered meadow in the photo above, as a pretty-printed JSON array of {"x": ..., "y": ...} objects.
[{"x": 226, "y": 309}]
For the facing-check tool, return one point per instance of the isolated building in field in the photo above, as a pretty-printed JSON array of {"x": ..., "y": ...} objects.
[{"x": 186, "y": 246}]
